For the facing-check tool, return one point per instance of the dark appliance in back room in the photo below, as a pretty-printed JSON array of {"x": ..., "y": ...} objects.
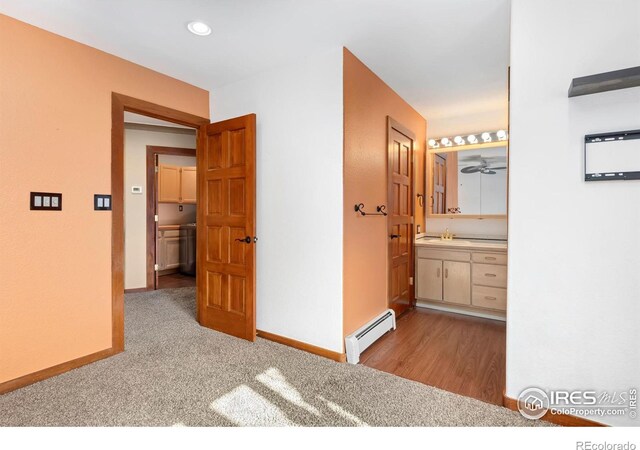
[{"x": 188, "y": 250}]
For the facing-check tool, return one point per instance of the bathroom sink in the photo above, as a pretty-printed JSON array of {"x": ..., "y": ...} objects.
[{"x": 451, "y": 242}]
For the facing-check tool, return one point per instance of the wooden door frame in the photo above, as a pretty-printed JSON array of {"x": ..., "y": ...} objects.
[
  {"x": 152, "y": 205},
  {"x": 393, "y": 124},
  {"x": 119, "y": 104}
]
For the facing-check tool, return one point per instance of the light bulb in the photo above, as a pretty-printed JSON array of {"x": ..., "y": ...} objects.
[
  {"x": 199, "y": 28},
  {"x": 502, "y": 135},
  {"x": 486, "y": 137},
  {"x": 458, "y": 140},
  {"x": 445, "y": 142},
  {"x": 472, "y": 139},
  {"x": 432, "y": 143}
]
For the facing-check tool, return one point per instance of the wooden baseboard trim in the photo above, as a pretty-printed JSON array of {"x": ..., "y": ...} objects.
[
  {"x": 43, "y": 374},
  {"x": 566, "y": 420},
  {"x": 339, "y": 357}
]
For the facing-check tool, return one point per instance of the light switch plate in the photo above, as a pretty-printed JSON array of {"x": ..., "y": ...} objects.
[
  {"x": 136, "y": 189},
  {"x": 102, "y": 202},
  {"x": 45, "y": 201}
]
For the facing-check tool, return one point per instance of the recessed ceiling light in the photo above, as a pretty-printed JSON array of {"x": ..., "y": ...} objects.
[{"x": 199, "y": 28}]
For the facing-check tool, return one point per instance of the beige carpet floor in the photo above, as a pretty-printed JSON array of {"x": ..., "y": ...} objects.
[{"x": 176, "y": 373}]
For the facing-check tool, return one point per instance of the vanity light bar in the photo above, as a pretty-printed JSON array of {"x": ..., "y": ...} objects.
[{"x": 478, "y": 138}]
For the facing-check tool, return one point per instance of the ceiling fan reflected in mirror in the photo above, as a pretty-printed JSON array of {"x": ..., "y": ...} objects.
[{"x": 485, "y": 165}]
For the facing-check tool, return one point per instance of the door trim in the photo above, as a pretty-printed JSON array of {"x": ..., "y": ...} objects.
[
  {"x": 393, "y": 124},
  {"x": 152, "y": 204},
  {"x": 119, "y": 104}
]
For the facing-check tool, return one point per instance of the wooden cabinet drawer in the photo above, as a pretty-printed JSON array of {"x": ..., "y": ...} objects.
[
  {"x": 490, "y": 275},
  {"x": 489, "y": 258},
  {"x": 443, "y": 254},
  {"x": 489, "y": 297}
]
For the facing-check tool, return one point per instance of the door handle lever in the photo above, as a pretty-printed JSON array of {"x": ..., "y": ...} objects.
[
  {"x": 394, "y": 236},
  {"x": 246, "y": 240}
]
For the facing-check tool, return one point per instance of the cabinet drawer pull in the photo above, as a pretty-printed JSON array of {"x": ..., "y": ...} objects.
[
  {"x": 490, "y": 258},
  {"x": 446, "y": 273},
  {"x": 487, "y": 297},
  {"x": 489, "y": 274}
]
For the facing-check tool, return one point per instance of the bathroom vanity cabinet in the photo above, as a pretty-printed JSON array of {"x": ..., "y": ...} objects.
[{"x": 462, "y": 276}]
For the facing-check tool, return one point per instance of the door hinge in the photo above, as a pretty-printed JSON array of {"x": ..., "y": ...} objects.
[
  {"x": 155, "y": 218},
  {"x": 156, "y": 169},
  {"x": 156, "y": 267},
  {"x": 410, "y": 281}
]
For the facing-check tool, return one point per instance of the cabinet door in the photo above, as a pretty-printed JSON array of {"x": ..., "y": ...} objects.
[
  {"x": 429, "y": 279},
  {"x": 172, "y": 252},
  {"x": 457, "y": 282},
  {"x": 188, "y": 185},
  {"x": 168, "y": 184}
]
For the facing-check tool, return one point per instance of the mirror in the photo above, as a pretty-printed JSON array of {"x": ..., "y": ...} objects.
[{"x": 468, "y": 181}]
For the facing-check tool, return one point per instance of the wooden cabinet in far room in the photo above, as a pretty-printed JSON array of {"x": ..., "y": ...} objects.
[
  {"x": 188, "y": 185},
  {"x": 168, "y": 184},
  {"x": 176, "y": 184},
  {"x": 442, "y": 280},
  {"x": 170, "y": 244}
]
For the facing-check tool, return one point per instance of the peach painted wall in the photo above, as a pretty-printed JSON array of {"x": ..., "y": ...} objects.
[
  {"x": 55, "y": 136},
  {"x": 367, "y": 103}
]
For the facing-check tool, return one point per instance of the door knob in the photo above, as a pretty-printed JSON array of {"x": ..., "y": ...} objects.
[
  {"x": 394, "y": 236},
  {"x": 246, "y": 240}
]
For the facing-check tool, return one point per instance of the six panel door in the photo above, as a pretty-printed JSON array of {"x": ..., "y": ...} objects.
[
  {"x": 226, "y": 227},
  {"x": 400, "y": 218}
]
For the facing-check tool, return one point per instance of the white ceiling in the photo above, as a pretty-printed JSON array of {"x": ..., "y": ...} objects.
[{"x": 448, "y": 58}]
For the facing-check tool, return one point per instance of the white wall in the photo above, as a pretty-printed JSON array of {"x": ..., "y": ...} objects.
[
  {"x": 135, "y": 174},
  {"x": 299, "y": 194},
  {"x": 574, "y": 247}
]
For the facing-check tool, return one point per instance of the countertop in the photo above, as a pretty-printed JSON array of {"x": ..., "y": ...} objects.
[
  {"x": 463, "y": 244},
  {"x": 176, "y": 227}
]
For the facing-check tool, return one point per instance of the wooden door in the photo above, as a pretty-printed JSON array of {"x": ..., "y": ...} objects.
[
  {"x": 226, "y": 271},
  {"x": 188, "y": 185},
  {"x": 457, "y": 282},
  {"x": 168, "y": 184},
  {"x": 438, "y": 197},
  {"x": 429, "y": 279},
  {"x": 400, "y": 216}
]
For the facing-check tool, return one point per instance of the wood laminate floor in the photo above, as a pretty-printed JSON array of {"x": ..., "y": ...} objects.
[
  {"x": 175, "y": 280},
  {"x": 453, "y": 352}
]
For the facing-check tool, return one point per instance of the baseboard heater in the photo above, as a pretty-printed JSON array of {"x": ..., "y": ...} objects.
[{"x": 363, "y": 337}]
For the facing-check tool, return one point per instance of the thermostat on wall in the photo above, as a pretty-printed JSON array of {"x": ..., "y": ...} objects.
[{"x": 136, "y": 189}]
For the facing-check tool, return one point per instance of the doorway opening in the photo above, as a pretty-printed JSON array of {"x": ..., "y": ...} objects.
[
  {"x": 160, "y": 204},
  {"x": 224, "y": 197},
  {"x": 448, "y": 292}
]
